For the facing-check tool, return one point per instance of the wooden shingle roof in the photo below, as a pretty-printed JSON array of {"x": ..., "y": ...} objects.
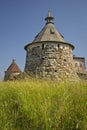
[
  {"x": 49, "y": 31},
  {"x": 13, "y": 67}
]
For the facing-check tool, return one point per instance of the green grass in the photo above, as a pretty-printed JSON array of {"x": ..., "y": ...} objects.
[{"x": 43, "y": 105}]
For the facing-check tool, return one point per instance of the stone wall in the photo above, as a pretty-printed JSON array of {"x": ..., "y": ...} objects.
[
  {"x": 82, "y": 75},
  {"x": 10, "y": 75},
  {"x": 50, "y": 59}
]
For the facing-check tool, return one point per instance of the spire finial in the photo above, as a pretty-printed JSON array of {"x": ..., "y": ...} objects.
[
  {"x": 49, "y": 18},
  {"x": 49, "y": 13},
  {"x": 13, "y": 61}
]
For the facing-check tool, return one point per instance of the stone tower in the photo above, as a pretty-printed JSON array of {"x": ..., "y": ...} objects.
[
  {"x": 12, "y": 71},
  {"x": 49, "y": 55}
]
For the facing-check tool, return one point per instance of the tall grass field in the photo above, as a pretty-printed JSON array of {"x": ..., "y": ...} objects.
[{"x": 43, "y": 105}]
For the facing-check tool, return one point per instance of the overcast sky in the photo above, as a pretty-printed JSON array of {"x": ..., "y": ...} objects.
[{"x": 22, "y": 20}]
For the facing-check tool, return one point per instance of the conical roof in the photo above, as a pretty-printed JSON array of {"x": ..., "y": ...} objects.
[
  {"x": 49, "y": 31},
  {"x": 13, "y": 67}
]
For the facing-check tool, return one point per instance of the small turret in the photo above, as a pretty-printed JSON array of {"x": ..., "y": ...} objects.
[{"x": 12, "y": 71}]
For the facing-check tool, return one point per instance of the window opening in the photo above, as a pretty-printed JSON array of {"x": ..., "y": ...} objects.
[
  {"x": 80, "y": 64},
  {"x": 64, "y": 59},
  {"x": 51, "y": 31},
  {"x": 42, "y": 46},
  {"x": 58, "y": 45}
]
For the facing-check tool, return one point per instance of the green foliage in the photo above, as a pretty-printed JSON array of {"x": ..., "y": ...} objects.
[{"x": 43, "y": 105}]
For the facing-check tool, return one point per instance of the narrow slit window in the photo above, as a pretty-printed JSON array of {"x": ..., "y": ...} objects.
[
  {"x": 42, "y": 46},
  {"x": 58, "y": 45}
]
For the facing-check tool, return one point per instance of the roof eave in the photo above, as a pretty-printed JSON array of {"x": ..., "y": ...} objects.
[{"x": 49, "y": 41}]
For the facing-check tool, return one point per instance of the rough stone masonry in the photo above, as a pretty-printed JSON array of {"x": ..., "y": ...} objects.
[{"x": 49, "y": 55}]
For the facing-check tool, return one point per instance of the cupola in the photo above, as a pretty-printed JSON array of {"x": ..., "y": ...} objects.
[{"x": 49, "y": 18}]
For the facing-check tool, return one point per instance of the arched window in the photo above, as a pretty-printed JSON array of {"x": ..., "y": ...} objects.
[{"x": 80, "y": 64}]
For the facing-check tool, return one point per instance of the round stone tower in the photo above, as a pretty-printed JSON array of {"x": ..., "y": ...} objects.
[
  {"x": 49, "y": 55},
  {"x": 12, "y": 71}
]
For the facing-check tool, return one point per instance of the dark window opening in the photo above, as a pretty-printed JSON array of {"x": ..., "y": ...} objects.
[
  {"x": 43, "y": 58},
  {"x": 58, "y": 45},
  {"x": 64, "y": 59},
  {"x": 42, "y": 46},
  {"x": 51, "y": 31}
]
